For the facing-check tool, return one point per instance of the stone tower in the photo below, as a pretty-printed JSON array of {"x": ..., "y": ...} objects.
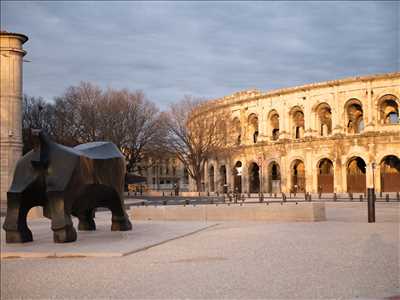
[{"x": 11, "y": 55}]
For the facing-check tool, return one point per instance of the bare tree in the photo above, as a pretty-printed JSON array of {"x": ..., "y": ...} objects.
[
  {"x": 193, "y": 137},
  {"x": 85, "y": 113}
]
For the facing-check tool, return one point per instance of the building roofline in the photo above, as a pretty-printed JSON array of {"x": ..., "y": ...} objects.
[{"x": 256, "y": 94}]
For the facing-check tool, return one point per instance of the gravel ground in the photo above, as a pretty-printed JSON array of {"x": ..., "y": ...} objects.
[{"x": 344, "y": 257}]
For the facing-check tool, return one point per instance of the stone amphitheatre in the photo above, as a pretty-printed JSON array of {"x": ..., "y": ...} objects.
[{"x": 339, "y": 136}]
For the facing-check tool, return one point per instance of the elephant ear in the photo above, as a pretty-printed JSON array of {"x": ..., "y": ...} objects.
[{"x": 63, "y": 161}]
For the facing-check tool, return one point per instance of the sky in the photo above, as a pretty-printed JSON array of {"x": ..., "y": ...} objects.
[{"x": 203, "y": 49}]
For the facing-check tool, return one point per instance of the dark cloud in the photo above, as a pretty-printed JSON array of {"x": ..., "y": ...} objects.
[{"x": 207, "y": 49}]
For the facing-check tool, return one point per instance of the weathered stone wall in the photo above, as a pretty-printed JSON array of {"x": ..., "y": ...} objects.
[
  {"x": 315, "y": 140},
  {"x": 11, "y": 54}
]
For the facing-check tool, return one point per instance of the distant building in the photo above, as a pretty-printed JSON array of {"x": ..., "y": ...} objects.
[
  {"x": 11, "y": 55},
  {"x": 165, "y": 174}
]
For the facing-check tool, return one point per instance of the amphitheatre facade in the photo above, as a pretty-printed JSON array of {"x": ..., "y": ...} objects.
[{"x": 335, "y": 136}]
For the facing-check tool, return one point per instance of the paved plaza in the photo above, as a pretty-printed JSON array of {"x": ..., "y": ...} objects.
[{"x": 343, "y": 257}]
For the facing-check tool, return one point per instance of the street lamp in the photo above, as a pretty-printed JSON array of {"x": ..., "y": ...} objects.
[
  {"x": 260, "y": 161},
  {"x": 373, "y": 165},
  {"x": 371, "y": 197}
]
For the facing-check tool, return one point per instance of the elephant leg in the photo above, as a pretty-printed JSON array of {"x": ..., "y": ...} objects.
[
  {"x": 119, "y": 220},
  {"x": 15, "y": 225},
  {"x": 86, "y": 221},
  {"x": 61, "y": 223}
]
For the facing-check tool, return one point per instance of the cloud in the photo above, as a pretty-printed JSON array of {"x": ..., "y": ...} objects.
[{"x": 207, "y": 49}]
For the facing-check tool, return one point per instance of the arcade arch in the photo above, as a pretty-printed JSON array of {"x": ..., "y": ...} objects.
[
  {"x": 356, "y": 175},
  {"x": 390, "y": 174}
]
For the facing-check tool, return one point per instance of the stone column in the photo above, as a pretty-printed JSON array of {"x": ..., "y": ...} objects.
[
  {"x": 284, "y": 120},
  {"x": 307, "y": 116},
  {"x": 337, "y": 113},
  {"x": 309, "y": 170},
  {"x": 11, "y": 55},
  {"x": 369, "y": 109}
]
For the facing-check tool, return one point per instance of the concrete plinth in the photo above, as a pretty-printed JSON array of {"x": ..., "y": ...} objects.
[
  {"x": 100, "y": 243},
  {"x": 288, "y": 212}
]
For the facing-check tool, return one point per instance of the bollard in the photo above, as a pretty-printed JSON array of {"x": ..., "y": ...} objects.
[
  {"x": 387, "y": 197},
  {"x": 306, "y": 196},
  {"x": 261, "y": 198},
  {"x": 187, "y": 202},
  {"x": 334, "y": 197},
  {"x": 163, "y": 194},
  {"x": 164, "y": 202},
  {"x": 361, "y": 198},
  {"x": 208, "y": 194},
  {"x": 371, "y": 205},
  {"x": 351, "y": 196},
  {"x": 274, "y": 195},
  {"x": 380, "y": 194},
  {"x": 398, "y": 196}
]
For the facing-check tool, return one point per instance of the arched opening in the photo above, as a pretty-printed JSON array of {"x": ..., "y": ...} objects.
[
  {"x": 253, "y": 127},
  {"x": 274, "y": 175},
  {"x": 324, "y": 119},
  {"x": 354, "y": 116},
  {"x": 297, "y": 123},
  {"x": 298, "y": 176},
  {"x": 325, "y": 176},
  {"x": 236, "y": 131},
  {"x": 237, "y": 177},
  {"x": 356, "y": 175},
  {"x": 390, "y": 174},
  {"x": 223, "y": 182},
  {"x": 254, "y": 178},
  {"x": 274, "y": 125},
  {"x": 211, "y": 179},
  {"x": 389, "y": 109}
]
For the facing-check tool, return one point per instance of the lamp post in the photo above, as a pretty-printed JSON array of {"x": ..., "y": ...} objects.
[
  {"x": 260, "y": 162},
  {"x": 371, "y": 197}
]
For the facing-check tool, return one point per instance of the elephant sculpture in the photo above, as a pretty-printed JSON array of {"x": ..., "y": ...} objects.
[{"x": 66, "y": 181}]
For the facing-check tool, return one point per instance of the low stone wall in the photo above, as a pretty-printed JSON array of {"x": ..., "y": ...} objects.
[{"x": 288, "y": 212}]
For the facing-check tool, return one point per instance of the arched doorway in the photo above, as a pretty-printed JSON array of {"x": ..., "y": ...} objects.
[
  {"x": 390, "y": 174},
  {"x": 254, "y": 178},
  {"x": 356, "y": 175},
  {"x": 253, "y": 127},
  {"x": 325, "y": 176},
  {"x": 237, "y": 177},
  {"x": 389, "y": 109},
  {"x": 274, "y": 175},
  {"x": 211, "y": 179},
  {"x": 354, "y": 116},
  {"x": 274, "y": 125},
  {"x": 297, "y": 119},
  {"x": 223, "y": 182},
  {"x": 324, "y": 119},
  {"x": 298, "y": 176}
]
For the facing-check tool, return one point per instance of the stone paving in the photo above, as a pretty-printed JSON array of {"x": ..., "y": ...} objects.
[{"x": 342, "y": 258}]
